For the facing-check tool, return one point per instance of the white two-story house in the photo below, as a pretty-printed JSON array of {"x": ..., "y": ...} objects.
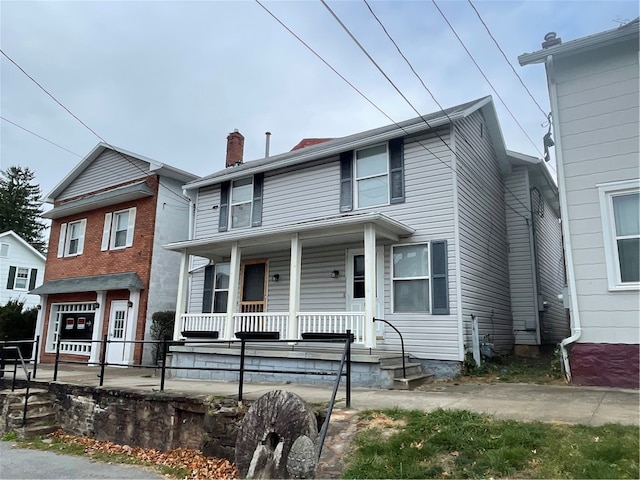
[{"x": 430, "y": 224}]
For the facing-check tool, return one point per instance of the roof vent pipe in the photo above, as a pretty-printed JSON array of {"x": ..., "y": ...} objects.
[
  {"x": 551, "y": 39},
  {"x": 267, "y": 144}
]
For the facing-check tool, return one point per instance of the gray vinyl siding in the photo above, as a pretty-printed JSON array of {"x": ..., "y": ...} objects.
[
  {"x": 483, "y": 236},
  {"x": 109, "y": 169},
  {"x": 207, "y": 212},
  {"x": 598, "y": 119},
  {"x": 550, "y": 265},
  {"x": 171, "y": 225},
  {"x": 521, "y": 267}
]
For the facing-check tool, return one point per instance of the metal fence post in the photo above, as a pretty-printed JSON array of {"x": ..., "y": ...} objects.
[
  {"x": 103, "y": 356},
  {"x": 241, "y": 377},
  {"x": 36, "y": 347},
  {"x": 348, "y": 386},
  {"x": 164, "y": 363},
  {"x": 57, "y": 361}
]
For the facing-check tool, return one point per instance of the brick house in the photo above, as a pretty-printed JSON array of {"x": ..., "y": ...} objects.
[{"x": 106, "y": 272}]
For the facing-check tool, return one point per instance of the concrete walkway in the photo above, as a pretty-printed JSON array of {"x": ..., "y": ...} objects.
[{"x": 524, "y": 402}]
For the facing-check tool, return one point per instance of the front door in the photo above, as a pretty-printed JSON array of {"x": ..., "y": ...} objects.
[
  {"x": 355, "y": 275},
  {"x": 254, "y": 275},
  {"x": 117, "y": 331}
]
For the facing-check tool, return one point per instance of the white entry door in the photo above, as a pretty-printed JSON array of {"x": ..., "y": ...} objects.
[
  {"x": 355, "y": 275},
  {"x": 117, "y": 332}
]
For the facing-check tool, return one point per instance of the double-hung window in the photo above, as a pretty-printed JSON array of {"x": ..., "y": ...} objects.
[
  {"x": 620, "y": 210},
  {"x": 216, "y": 288},
  {"x": 71, "y": 240},
  {"x": 372, "y": 176},
  {"x": 118, "y": 229},
  {"x": 419, "y": 277},
  {"x": 241, "y": 203},
  {"x": 4, "y": 250},
  {"x": 21, "y": 278}
]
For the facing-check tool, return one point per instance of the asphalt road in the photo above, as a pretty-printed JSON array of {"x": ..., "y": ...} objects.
[{"x": 20, "y": 463}]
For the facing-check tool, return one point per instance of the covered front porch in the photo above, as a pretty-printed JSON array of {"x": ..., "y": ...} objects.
[{"x": 266, "y": 271}]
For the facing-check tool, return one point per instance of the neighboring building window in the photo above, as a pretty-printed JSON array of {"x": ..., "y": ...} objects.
[
  {"x": 118, "y": 229},
  {"x": 419, "y": 277},
  {"x": 4, "y": 250},
  {"x": 22, "y": 278},
  {"x": 216, "y": 288},
  {"x": 372, "y": 176},
  {"x": 620, "y": 209},
  {"x": 71, "y": 241},
  {"x": 241, "y": 203}
]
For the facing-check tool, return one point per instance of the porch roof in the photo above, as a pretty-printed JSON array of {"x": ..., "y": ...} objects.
[
  {"x": 94, "y": 283},
  {"x": 336, "y": 229}
]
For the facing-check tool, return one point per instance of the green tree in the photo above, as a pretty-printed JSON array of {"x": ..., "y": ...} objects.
[
  {"x": 18, "y": 323},
  {"x": 21, "y": 205}
]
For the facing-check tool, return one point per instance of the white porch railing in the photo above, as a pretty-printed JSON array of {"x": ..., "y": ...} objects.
[
  {"x": 333, "y": 323},
  {"x": 204, "y": 322},
  {"x": 76, "y": 348},
  {"x": 261, "y": 322},
  {"x": 307, "y": 322}
]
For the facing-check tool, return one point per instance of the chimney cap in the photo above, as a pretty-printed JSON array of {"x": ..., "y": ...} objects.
[{"x": 551, "y": 39}]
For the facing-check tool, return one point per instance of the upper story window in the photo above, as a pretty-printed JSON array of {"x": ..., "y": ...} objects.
[
  {"x": 241, "y": 203},
  {"x": 71, "y": 241},
  {"x": 118, "y": 229},
  {"x": 620, "y": 210},
  {"x": 21, "y": 278},
  {"x": 372, "y": 176},
  {"x": 4, "y": 250},
  {"x": 419, "y": 277}
]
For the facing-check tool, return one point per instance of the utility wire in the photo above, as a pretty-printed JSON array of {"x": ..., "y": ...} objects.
[
  {"x": 506, "y": 58},
  {"x": 39, "y": 136},
  {"x": 378, "y": 108},
  {"x": 485, "y": 76},
  {"x": 346, "y": 29},
  {"x": 87, "y": 126}
]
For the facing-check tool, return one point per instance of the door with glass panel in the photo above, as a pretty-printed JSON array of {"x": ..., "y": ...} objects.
[
  {"x": 355, "y": 276},
  {"x": 117, "y": 332}
]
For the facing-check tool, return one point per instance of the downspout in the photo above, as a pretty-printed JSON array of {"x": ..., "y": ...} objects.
[{"x": 576, "y": 328}]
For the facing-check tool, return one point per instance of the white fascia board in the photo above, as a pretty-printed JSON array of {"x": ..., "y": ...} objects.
[
  {"x": 11, "y": 233},
  {"x": 388, "y": 224}
]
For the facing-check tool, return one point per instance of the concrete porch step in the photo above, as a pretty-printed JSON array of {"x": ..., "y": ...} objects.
[
  {"x": 411, "y": 369},
  {"x": 36, "y": 430},
  {"x": 411, "y": 382}
]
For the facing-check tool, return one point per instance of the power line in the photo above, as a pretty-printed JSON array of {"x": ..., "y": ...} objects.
[
  {"x": 378, "y": 108},
  {"x": 87, "y": 126},
  {"x": 39, "y": 136},
  {"x": 506, "y": 59},
  {"x": 485, "y": 76}
]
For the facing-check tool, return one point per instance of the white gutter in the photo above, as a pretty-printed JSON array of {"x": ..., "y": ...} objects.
[{"x": 576, "y": 328}]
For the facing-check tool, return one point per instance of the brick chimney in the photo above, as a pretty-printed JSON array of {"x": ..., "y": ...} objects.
[{"x": 235, "y": 149}]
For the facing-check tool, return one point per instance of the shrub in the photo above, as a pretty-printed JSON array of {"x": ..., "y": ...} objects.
[
  {"x": 18, "y": 324},
  {"x": 161, "y": 328}
]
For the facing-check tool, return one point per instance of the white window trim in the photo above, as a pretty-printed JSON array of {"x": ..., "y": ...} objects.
[
  {"x": 232, "y": 204},
  {"x": 394, "y": 278},
  {"x": 56, "y": 312},
  {"x": 64, "y": 241},
  {"x": 109, "y": 231},
  {"x": 357, "y": 179},
  {"x": 7, "y": 247},
  {"x": 26, "y": 283},
  {"x": 606, "y": 191},
  {"x": 215, "y": 290}
]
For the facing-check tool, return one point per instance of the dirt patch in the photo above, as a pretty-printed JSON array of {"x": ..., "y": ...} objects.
[{"x": 385, "y": 424}]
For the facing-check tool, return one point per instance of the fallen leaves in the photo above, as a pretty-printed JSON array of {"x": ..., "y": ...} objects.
[{"x": 199, "y": 466}]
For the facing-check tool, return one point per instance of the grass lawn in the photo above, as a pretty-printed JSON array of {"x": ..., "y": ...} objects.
[{"x": 460, "y": 444}]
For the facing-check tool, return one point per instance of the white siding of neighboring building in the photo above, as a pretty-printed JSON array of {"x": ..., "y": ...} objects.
[
  {"x": 521, "y": 265},
  {"x": 109, "y": 169},
  {"x": 598, "y": 117},
  {"x": 483, "y": 236},
  {"x": 19, "y": 256},
  {"x": 171, "y": 225}
]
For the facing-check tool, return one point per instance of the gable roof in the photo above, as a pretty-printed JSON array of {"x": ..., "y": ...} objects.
[
  {"x": 625, "y": 32},
  {"x": 363, "y": 139},
  {"x": 154, "y": 167},
  {"x": 540, "y": 175},
  {"x": 19, "y": 239}
]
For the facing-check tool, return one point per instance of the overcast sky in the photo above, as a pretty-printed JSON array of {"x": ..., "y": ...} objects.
[{"x": 170, "y": 80}]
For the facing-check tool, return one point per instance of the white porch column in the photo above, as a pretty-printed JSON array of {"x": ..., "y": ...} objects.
[
  {"x": 98, "y": 325},
  {"x": 39, "y": 328},
  {"x": 132, "y": 325},
  {"x": 369, "y": 284},
  {"x": 181, "y": 300},
  {"x": 294, "y": 286},
  {"x": 232, "y": 298}
]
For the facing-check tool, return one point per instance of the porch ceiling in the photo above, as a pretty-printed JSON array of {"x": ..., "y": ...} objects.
[{"x": 340, "y": 229}]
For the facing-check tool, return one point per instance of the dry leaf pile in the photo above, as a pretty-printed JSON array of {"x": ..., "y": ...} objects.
[{"x": 199, "y": 466}]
